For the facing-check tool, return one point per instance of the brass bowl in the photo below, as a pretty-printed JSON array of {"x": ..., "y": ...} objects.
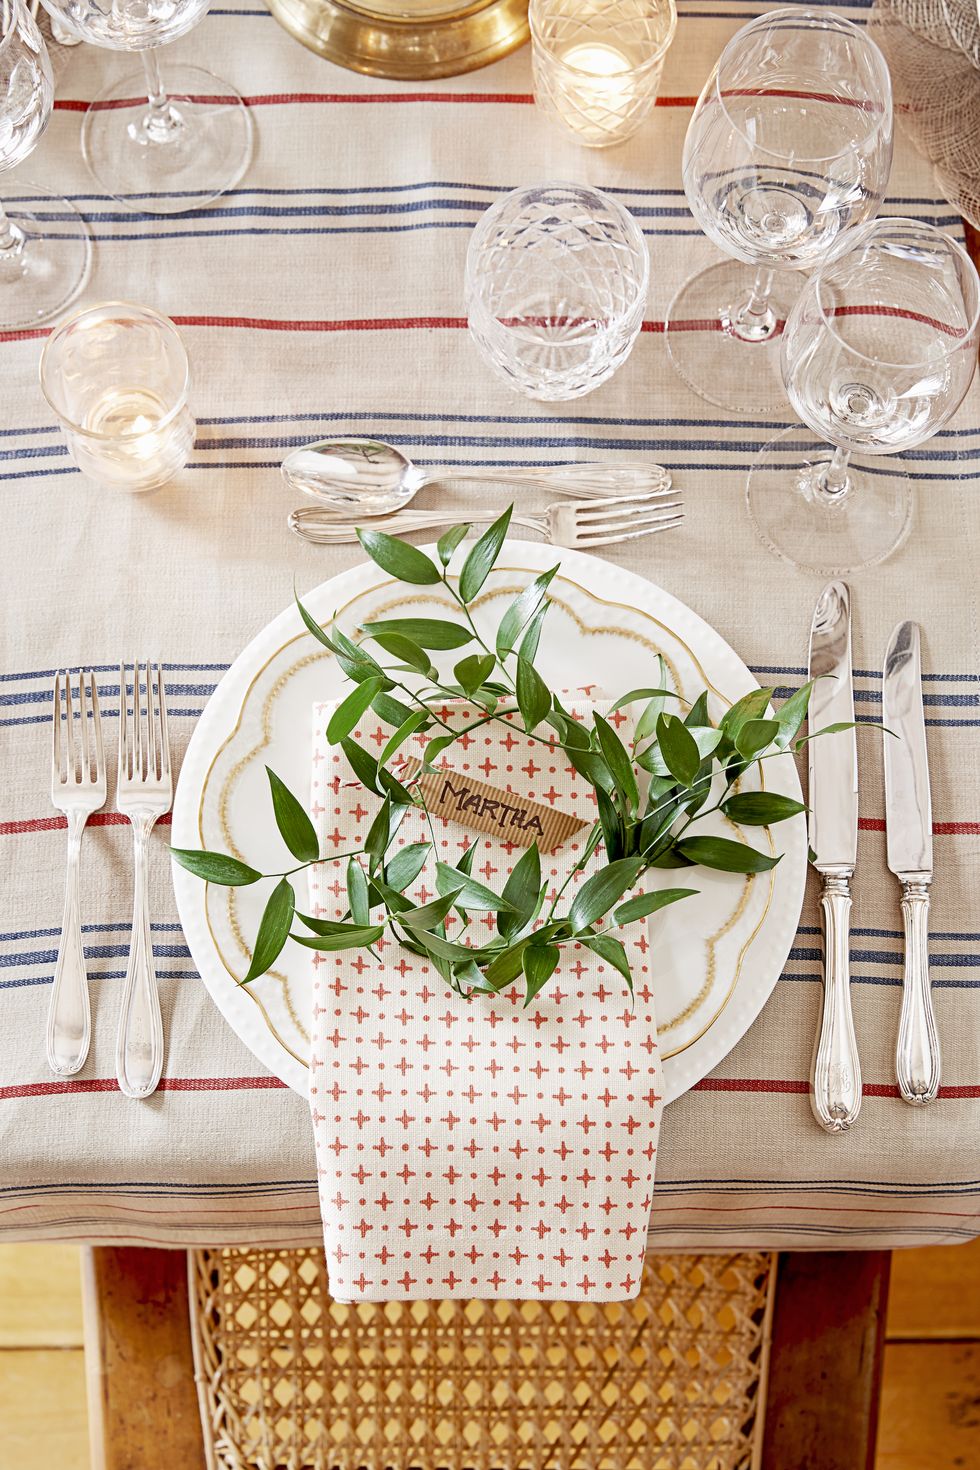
[{"x": 406, "y": 41}]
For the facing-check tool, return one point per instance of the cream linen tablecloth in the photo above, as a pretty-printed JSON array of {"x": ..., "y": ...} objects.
[{"x": 323, "y": 295}]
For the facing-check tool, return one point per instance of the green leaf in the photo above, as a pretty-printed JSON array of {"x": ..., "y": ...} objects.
[
  {"x": 724, "y": 855},
  {"x": 671, "y": 858},
  {"x": 611, "y": 950},
  {"x": 467, "y": 891},
  {"x": 520, "y": 612},
  {"x": 426, "y": 632},
  {"x": 406, "y": 864},
  {"x": 539, "y": 962},
  {"x": 428, "y": 915},
  {"x": 827, "y": 730},
  {"x": 521, "y": 892},
  {"x": 398, "y": 558},
  {"x": 364, "y": 766},
  {"x": 355, "y": 661},
  {"x": 400, "y": 735},
  {"x": 215, "y": 867},
  {"x": 532, "y": 634},
  {"x": 698, "y": 713},
  {"x": 273, "y": 930},
  {"x": 647, "y": 723},
  {"x": 590, "y": 764},
  {"x": 648, "y": 903},
  {"x": 609, "y": 820},
  {"x": 755, "y": 736},
  {"x": 405, "y": 649},
  {"x": 351, "y": 938},
  {"x": 313, "y": 626},
  {"x": 295, "y": 827},
  {"x": 635, "y": 694},
  {"x": 751, "y": 706},
  {"x": 436, "y": 746},
  {"x": 533, "y": 695},
  {"x": 390, "y": 710},
  {"x": 618, "y": 761},
  {"x": 598, "y": 893},
  {"x": 357, "y": 893},
  {"x": 350, "y": 710},
  {"x": 391, "y": 785},
  {"x": 447, "y": 544},
  {"x": 507, "y": 965},
  {"x": 325, "y": 927},
  {"x": 379, "y": 836},
  {"x": 761, "y": 808},
  {"x": 471, "y": 671},
  {"x": 791, "y": 714},
  {"x": 678, "y": 748},
  {"x": 483, "y": 554},
  {"x": 446, "y": 949},
  {"x": 706, "y": 738},
  {"x": 468, "y": 972}
]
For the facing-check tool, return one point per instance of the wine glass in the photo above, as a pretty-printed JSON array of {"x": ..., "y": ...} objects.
[
  {"x": 45, "y": 251},
  {"x": 789, "y": 145},
  {"x": 878, "y": 354},
  {"x": 190, "y": 141}
]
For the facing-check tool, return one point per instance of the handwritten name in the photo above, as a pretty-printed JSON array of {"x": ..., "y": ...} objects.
[{"x": 493, "y": 809}]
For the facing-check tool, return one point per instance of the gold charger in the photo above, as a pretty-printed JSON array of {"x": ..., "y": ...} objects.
[{"x": 407, "y": 42}]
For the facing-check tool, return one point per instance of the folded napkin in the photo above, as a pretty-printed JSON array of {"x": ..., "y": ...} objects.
[{"x": 477, "y": 1148}]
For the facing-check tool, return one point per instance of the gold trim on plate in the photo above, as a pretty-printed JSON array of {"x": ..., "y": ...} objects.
[{"x": 711, "y": 940}]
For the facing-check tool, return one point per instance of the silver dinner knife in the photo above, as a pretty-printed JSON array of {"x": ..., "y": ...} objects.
[
  {"x": 835, "y": 1083},
  {"x": 908, "y": 812}
]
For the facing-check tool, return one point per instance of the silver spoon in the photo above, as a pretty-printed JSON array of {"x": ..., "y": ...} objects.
[{"x": 369, "y": 477}]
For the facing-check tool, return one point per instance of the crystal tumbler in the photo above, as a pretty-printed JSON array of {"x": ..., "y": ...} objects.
[
  {"x": 556, "y": 283},
  {"x": 597, "y": 67},
  {"x": 117, "y": 377}
]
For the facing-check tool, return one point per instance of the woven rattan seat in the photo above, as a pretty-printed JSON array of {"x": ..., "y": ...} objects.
[{"x": 290, "y": 1380}]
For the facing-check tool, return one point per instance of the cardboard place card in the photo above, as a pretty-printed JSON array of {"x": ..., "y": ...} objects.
[{"x": 485, "y": 808}]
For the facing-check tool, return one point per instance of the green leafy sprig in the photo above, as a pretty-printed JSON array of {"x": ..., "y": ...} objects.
[{"x": 678, "y": 768}]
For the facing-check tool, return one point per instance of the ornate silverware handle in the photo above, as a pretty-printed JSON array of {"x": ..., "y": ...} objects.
[
  {"x": 69, "y": 1019},
  {"x": 583, "y": 481},
  {"x": 835, "y": 1091},
  {"x": 917, "y": 1061},
  {"x": 139, "y": 1043}
]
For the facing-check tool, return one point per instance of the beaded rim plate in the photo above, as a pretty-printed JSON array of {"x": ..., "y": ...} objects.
[{"x": 718, "y": 956}]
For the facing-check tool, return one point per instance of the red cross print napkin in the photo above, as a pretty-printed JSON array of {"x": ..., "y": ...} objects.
[{"x": 475, "y": 1148}]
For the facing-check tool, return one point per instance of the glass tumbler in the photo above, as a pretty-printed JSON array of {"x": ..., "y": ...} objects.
[
  {"x": 878, "y": 354},
  {"x": 117, "y": 377},
  {"x": 597, "y": 66},
  {"x": 45, "y": 250},
  {"x": 789, "y": 146},
  {"x": 556, "y": 284}
]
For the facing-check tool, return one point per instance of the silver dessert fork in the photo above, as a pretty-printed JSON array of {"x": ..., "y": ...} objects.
[
  {"x": 77, "y": 790},
  {"x": 144, "y": 793},
  {"x": 582, "y": 526}
]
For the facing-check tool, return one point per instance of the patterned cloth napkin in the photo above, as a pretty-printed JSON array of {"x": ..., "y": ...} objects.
[{"x": 477, "y": 1148}]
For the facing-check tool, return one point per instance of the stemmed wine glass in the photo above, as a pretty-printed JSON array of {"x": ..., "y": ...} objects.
[
  {"x": 878, "y": 354},
  {"x": 789, "y": 145},
  {"x": 190, "y": 141},
  {"x": 45, "y": 252}
]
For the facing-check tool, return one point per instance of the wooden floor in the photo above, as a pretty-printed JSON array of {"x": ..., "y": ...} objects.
[{"x": 930, "y": 1404}]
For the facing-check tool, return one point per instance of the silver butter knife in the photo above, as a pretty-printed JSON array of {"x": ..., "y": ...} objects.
[
  {"x": 908, "y": 810},
  {"x": 835, "y": 1083}
]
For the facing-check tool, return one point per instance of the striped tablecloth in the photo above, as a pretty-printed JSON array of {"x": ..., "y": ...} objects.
[{"x": 324, "y": 294}]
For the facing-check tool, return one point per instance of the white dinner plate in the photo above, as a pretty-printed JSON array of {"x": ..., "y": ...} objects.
[{"x": 717, "y": 956}]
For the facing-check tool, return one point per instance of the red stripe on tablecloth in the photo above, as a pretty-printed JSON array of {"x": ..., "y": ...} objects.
[
  {"x": 51, "y": 824},
  {"x": 775, "y": 1084},
  {"x": 245, "y": 1084},
  {"x": 114, "y": 819},
  {"x": 281, "y": 99},
  {"x": 167, "y": 1084},
  {"x": 939, "y": 829},
  {"x": 417, "y": 323}
]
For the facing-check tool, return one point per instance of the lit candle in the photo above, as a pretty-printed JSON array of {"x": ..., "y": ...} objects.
[{"x": 597, "y": 91}]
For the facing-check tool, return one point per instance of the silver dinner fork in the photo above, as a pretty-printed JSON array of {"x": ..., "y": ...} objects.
[
  {"x": 77, "y": 790},
  {"x": 578, "y": 526},
  {"x": 144, "y": 793}
]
